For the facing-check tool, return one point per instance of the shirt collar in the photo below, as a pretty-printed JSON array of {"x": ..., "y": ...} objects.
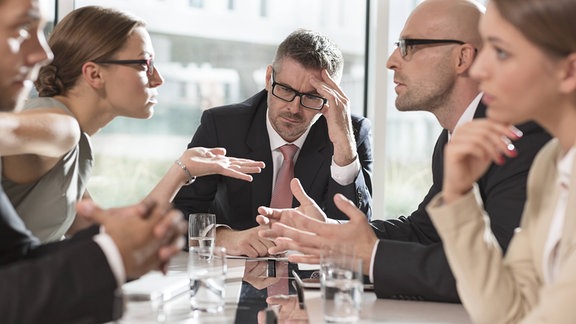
[{"x": 468, "y": 114}]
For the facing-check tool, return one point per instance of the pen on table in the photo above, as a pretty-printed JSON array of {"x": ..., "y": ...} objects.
[{"x": 297, "y": 283}]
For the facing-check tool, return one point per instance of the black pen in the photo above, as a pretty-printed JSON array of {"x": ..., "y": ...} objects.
[{"x": 297, "y": 283}]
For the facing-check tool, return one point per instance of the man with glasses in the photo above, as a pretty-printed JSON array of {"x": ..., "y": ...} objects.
[
  {"x": 404, "y": 257},
  {"x": 302, "y": 105}
]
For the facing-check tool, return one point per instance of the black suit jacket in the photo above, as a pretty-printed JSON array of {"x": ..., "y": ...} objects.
[
  {"x": 410, "y": 262},
  {"x": 63, "y": 282},
  {"x": 241, "y": 129}
]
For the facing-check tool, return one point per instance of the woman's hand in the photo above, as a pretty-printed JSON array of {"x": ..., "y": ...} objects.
[
  {"x": 202, "y": 161},
  {"x": 471, "y": 150}
]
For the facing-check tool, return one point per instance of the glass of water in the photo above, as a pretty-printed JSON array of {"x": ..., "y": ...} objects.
[
  {"x": 207, "y": 273},
  {"x": 201, "y": 229},
  {"x": 341, "y": 283}
]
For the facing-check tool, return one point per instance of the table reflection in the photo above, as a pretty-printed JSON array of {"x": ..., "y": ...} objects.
[
  {"x": 250, "y": 286},
  {"x": 268, "y": 294},
  {"x": 286, "y": 309}
]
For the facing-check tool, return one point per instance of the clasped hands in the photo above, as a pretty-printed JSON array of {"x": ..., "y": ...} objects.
[{"x": 146, "y": 234}]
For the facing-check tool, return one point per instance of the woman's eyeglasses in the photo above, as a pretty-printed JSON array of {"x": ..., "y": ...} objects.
[{"x": 149, "y": 63}]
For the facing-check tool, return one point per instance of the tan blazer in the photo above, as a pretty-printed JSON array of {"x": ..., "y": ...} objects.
[{"x": 511, "y": 290}]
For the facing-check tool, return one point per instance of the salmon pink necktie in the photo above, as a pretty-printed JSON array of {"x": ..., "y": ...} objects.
[
  {"x": 282, "y": 198},
  {"x": 282, "y": 195}
]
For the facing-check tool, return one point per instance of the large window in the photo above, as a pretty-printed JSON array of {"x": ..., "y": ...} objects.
[
  {"x": 207, "y": 63},
  {"x": 403, "y": 169}
]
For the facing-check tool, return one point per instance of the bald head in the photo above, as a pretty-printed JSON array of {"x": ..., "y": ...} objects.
[
  {"x": 446, "y": 19},
  {"x": 434, "y": 77}
]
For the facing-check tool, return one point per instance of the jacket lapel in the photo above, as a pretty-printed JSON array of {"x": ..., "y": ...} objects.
[
  {"x": 258, "y": 143},
  {"x": 480, "y": 111},
  {"x": 438, "y": 154},
  {"x": 438, "y": 158}
]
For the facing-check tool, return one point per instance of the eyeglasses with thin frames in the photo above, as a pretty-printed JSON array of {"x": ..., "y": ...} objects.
[
  {"x": 149, "y": 62},
  {"x": 286, "y": 93},
  {"x": 404, "y": 43}
]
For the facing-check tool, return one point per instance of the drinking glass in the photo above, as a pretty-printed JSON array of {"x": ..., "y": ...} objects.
[
  {"x": 201, "y": 229},
  {"x": 341, "y": 284}
]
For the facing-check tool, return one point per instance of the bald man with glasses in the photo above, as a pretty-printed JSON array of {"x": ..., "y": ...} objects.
[{"x": 404, "y": 257}]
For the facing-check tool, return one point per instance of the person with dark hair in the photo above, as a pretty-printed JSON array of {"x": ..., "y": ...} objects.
[
  {"x": 76, "y": 280},
  {"x": 103, "y": 67},
  {"x": 404, "y": 257},
  {"x": 527, "y": 70},
  {"x": 303, "y": 110}
]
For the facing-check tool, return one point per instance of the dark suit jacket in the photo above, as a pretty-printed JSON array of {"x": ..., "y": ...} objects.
[
  {"x": 241, "y": 129},
  {"x": 410, "y": 262},
  {"x": 63, "y": 282}
]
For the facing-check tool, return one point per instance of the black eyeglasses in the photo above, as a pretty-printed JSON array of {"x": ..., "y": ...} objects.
[
  {"x": 149, "y": 63},
  {"x": 403, "y": 43},
  {"x": 286, "y": 93}
]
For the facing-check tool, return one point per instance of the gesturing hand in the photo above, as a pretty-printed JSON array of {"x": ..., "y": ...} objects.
[
  {"x": 307, "y": 206},
  {"x": 202, "y": 161}
]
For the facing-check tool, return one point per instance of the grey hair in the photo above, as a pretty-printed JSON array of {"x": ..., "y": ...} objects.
[{"x": 313, "y": 50}]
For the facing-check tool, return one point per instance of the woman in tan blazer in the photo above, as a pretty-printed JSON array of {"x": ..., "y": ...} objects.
[{"x": 527, "y": 70}]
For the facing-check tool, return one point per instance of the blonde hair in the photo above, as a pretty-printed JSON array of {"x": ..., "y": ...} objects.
[{"x": 86, "y": 34}]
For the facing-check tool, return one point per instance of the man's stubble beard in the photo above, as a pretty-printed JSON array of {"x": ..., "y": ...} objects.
[{"x": 426, "y": 99}]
